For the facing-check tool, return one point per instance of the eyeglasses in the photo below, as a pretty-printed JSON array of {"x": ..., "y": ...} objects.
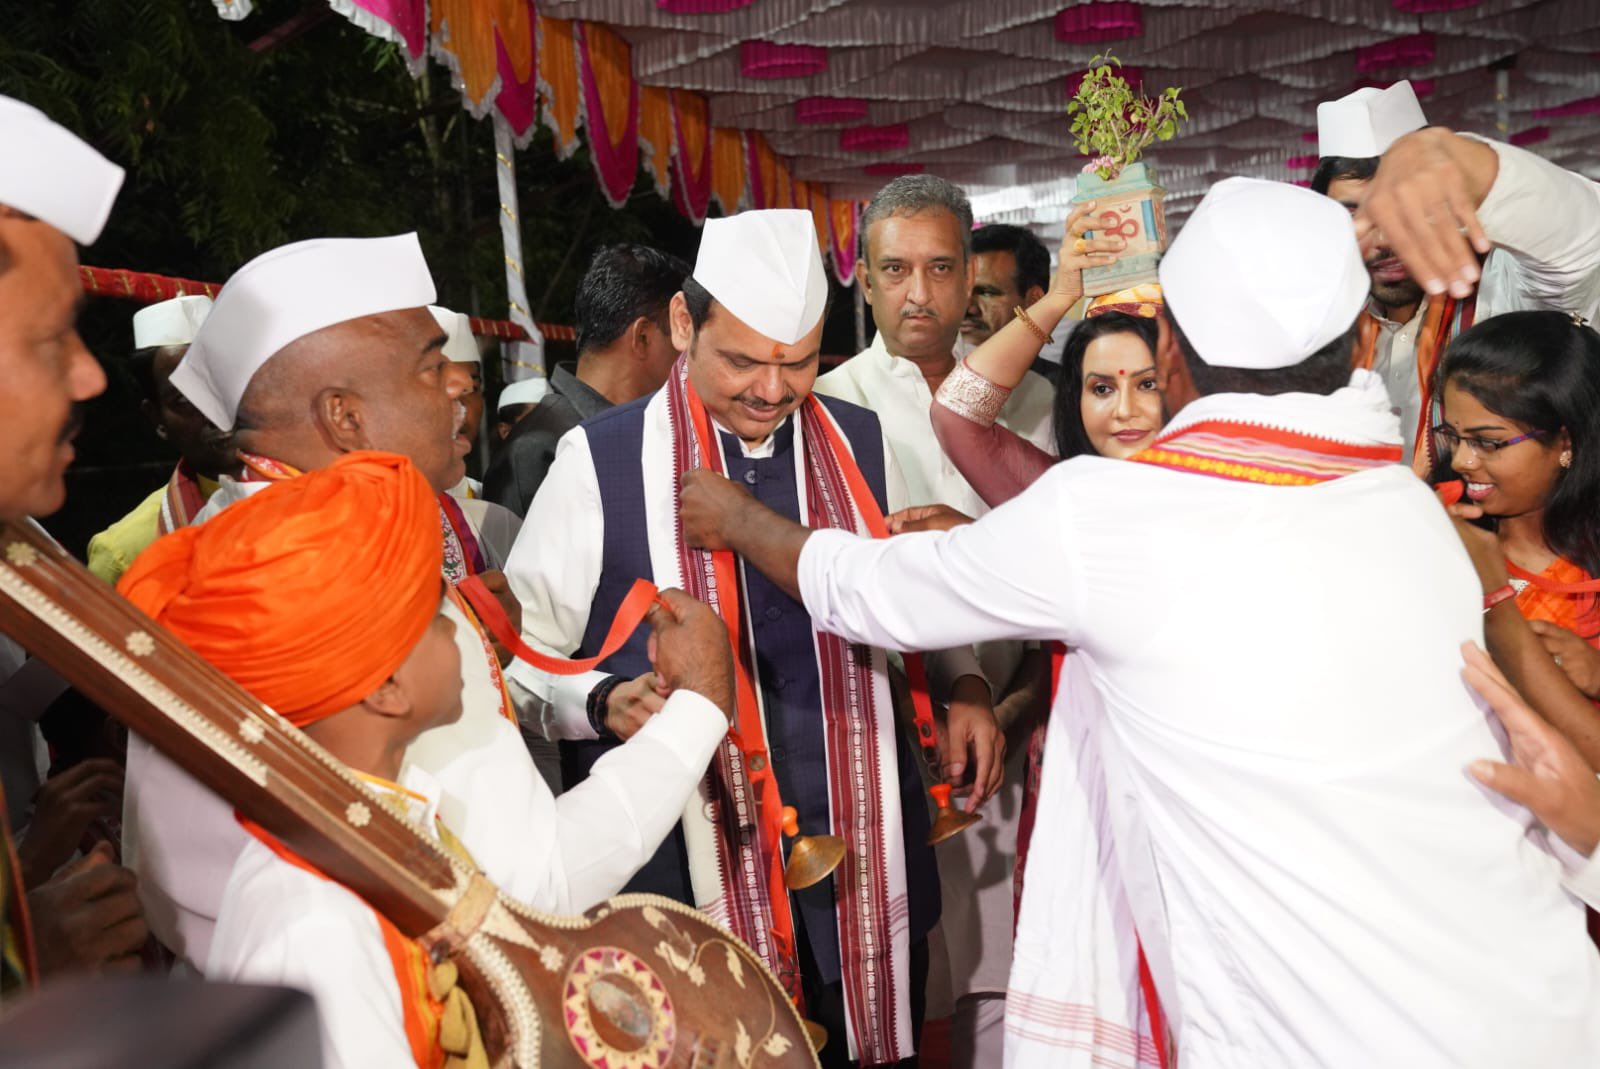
[{"x": 1449, "y": 441}]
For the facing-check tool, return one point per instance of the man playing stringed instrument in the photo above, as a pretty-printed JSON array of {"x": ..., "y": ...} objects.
[
  {"x": 816, "y": 728},
  {"x": 336, "y": 573},
  {"x": 312, "y": 351}
]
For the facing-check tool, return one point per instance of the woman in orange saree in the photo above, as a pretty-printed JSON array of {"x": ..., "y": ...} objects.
[{"x": 1520, "y": 426}]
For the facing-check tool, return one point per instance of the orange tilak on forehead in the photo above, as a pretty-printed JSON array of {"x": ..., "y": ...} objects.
[{"x": 777, "y": 353}]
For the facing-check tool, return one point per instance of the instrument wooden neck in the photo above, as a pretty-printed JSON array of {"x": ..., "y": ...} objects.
[{"x": 217, "y": 732}]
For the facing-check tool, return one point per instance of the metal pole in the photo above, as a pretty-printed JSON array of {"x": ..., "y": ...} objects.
[{"x": 519, "y": 360}]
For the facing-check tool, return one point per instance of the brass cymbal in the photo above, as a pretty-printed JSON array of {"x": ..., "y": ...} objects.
[
  {"x": 816, "y": 1033},
  {"x": 949, "y": 821},
  {"x": 812, "y": 858}
]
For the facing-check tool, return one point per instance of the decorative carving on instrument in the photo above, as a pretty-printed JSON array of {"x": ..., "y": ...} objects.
[{"x": 640, "y": 983}]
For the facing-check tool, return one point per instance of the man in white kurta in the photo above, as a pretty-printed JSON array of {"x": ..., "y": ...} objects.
[
  {"x": 1315, "y": 880},
  {"x": 560, "y": 855},
  {"x": 1543, "y": 221},
  {"x": 918, "y": 226}
]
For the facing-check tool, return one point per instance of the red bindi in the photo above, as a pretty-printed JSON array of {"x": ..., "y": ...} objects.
[{"x": 1121, "y": 372}]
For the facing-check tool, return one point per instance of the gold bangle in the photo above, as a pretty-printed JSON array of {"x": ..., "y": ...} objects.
[{"x": 1027, "y": 321}]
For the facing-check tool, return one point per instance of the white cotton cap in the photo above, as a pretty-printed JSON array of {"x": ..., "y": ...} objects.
[
  {"x": 290, "y": 292},
  {"x": 523, "y": 392},
  {"x": 51, "y": 174},
  {"x": 460, "y": 346},
  {"x": 1264, "y": 274},
  {"x": 765, "y": 268},
  {"x": 171, "y": 322},
  {"x": 1368, "y": 121}
]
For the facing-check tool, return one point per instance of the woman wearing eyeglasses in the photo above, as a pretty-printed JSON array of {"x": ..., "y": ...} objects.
[{"x": 1520, "y": 427}]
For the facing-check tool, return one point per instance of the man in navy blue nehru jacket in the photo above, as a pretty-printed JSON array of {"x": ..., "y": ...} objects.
[{"x": 817, "y": 728}]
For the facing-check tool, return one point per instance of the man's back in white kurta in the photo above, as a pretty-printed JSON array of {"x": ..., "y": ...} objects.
[{"x": 1316, "y": 879}]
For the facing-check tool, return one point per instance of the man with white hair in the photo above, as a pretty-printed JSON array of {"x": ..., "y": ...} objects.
[{"x": 1281, "y": 726}]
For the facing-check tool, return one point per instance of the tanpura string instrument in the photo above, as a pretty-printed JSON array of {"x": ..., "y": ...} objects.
[{"x": 640, "y": 982}]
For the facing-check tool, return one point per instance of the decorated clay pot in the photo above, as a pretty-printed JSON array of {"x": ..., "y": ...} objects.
[{"x": 1128, "y": 207}]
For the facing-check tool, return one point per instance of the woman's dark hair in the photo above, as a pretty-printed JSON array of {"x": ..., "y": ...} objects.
[
  {"x": 1542, "y": 370},
  {"x": 1071, "y": 439}
]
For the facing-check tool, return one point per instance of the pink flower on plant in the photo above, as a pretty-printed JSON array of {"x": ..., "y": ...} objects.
[{"x": 1097, "y": 163}]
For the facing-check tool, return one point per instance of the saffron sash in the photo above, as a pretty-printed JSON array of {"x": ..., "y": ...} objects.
[
  {"x": 1444, "y": 318},
  {"x": 1245, "y": 452}
]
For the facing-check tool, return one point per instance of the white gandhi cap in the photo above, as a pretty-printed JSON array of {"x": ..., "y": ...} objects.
[
  {"x": 1368, "y": 121},
  {"x": 290, "y": 292},
  {"x": 1264, "y": 274},
  {"x": 523, "y": 392},
  {"x": 51, "y": 174},
  {"x": 765, "y": 269},
  {"x": 460, "y": 346},
  {"x": 170, "y": 322}
]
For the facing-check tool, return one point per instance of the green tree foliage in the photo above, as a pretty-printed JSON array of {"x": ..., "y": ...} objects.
[{"x": 232, "y": 150}]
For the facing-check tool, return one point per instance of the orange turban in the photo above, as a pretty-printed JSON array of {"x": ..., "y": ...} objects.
[{"x": 310, "y": 593}]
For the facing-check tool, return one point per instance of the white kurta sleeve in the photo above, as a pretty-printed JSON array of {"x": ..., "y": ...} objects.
[
  {"x": 609, "y": 825},
  {"x": 1548, "y": 219},
  {"x": 1012, "y": 574},
  {"x": 554, "y": 570},
  {"x": 280, "y": 925}
]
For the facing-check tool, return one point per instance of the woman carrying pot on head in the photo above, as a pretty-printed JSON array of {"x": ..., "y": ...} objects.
[
  {"x": 1520, "y": 427},
  {"x": 1108, "y": 393}
]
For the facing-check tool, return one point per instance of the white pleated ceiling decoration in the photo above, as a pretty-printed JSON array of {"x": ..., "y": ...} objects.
[{"x": 854, "y": 91}]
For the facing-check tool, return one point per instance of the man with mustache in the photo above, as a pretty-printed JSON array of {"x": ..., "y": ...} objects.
[
  {"x": 162, "y": 333},
  {"x": 1538, "y": 245},
  {"x": 1011, "y": 270},
  {"x": 323, "y": 348},
  {"x": 917, "y": 273},
  {"x": 816, "y": 729},
  {"x": 54, "y": 190}
]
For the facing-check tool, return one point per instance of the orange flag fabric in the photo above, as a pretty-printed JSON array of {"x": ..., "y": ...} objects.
[{"x": 311, "y": 592}]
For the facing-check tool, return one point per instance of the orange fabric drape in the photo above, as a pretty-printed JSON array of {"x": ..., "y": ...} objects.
[
  {"x": 611, "y": 67},
  {"x": 467, "y": 30},
  {"x": 558, "y": 82},
  {"x": 764, "y": 172},
  {"x": 786, "y": 194},
  {"x": 694, "y": 126},
  {"x": 655, "y": 134},
  {"x": 728, "y": 171},
  {"x": 817, "y": 201}
]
